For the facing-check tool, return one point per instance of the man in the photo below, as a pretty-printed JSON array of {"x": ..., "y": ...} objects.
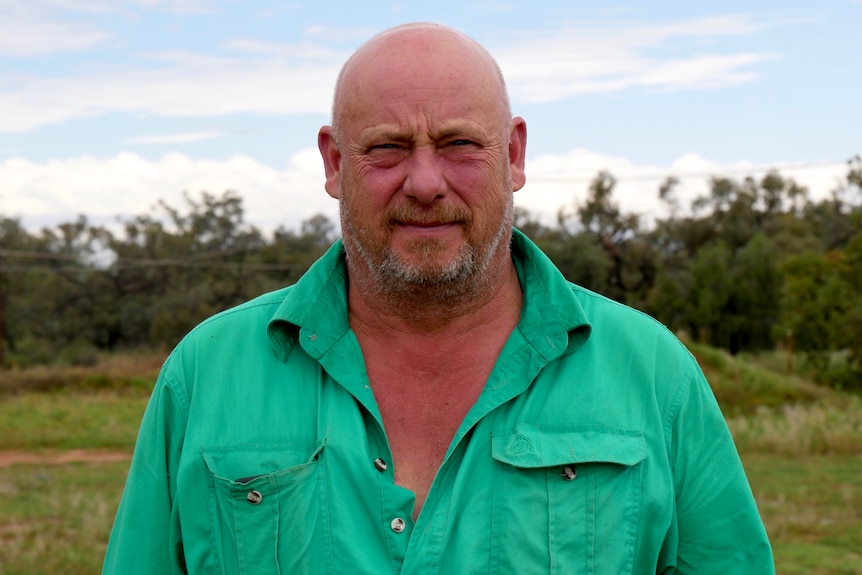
[{"x": 432, "y": 396}]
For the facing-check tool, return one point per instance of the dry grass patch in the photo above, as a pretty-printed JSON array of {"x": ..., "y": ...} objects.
[
  {"x": 801, "y": 430},
  {"x": 127, "y": 371}
]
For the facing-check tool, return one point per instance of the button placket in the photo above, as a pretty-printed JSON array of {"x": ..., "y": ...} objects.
[{"x": 398, "y": 525}]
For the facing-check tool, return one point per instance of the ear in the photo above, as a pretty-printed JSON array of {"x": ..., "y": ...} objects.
[
  {"x": 517, "y": 152},
  {"x": 331, "y": 160}
]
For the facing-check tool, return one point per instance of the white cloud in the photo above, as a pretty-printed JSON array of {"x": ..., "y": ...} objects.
[
  {"x": 352, "y": 34},
  {"x": 284, "y": 79},
  {"x": 127, "y": 185},
  {"x": 553, "y": 65},
  {"x": 39, "y": 27},
  {"x": 26, "y": 30},
  {"x": 188, "y": 85},
  {"x": 555, "y": 181},
  {"x": 175, "y": 138},
  {"x": 102, "y": 6}
]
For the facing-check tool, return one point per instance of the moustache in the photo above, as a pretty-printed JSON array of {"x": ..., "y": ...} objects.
[{"x": 434, "y": 215}]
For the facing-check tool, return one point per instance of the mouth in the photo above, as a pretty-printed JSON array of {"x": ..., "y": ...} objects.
[
  {"x": 425, "y": 229},
  {"x": 424, "y": 224},
  {"x": 440, "y": 221}
]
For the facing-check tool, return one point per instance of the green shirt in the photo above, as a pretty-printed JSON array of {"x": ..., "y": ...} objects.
[{"x": 595, "y": 447}]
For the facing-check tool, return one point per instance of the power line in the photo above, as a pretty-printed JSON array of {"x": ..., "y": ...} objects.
[
  {"x": 236, "y": 266},
  {"x": 128, "y": 263},
  {"x": 689, "y": 175}
]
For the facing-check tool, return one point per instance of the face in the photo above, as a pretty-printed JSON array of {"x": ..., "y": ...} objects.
[{"x": 424, "y": 163}]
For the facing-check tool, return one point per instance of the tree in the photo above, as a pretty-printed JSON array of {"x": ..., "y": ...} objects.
[
  {"x": 816, "y": 302},
  {"x": 628, "y": 262}
]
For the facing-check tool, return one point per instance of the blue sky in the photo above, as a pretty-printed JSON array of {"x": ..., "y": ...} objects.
[{"x": 107, "y": 106}]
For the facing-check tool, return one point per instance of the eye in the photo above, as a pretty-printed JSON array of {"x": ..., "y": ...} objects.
[
  {"x": 462, "y": 142},
  {"x": 385, "y": 147},
  {"x": 385, "y": 154}
]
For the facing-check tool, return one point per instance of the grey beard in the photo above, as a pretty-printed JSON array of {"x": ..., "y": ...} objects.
[{"x": 449, "y": 284}]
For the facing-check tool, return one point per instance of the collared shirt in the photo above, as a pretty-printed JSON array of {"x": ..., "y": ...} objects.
[{"x": 596, "y": 446}]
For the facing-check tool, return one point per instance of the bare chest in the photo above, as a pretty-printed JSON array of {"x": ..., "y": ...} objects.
[{"x": 422, "y": 410}]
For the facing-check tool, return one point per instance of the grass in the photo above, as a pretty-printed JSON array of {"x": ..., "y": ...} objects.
[
  {"x": 799, "y": 430},
  {"x": 69, "y": 420},
  {"x": 801, "y": 445},
  {"x": 55, "y": 407},
  {"x": 812, "y": 508},
  {"x": 57, "y": 519},
  {"x": 744, "y": 387}
]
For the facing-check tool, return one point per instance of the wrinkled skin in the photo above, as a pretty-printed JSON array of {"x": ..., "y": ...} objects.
[{"x": 424, "y": 159}]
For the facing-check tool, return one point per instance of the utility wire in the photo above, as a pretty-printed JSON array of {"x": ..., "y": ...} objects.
[
  {"x": 130, "y": 263},
  {"x": 194, "y": 260},
  {"x": 688, "y": 175}
]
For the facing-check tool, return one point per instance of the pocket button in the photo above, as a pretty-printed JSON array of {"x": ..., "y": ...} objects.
[
  {"x": 569, "y": 472},
  {"x": 254, "y": 497}
]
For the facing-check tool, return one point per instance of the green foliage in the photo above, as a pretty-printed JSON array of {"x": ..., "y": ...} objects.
[
  {"x": 72, "y": 291},
  {"x": 748, "y": 262},
  {"x": 822, "y": 308}
]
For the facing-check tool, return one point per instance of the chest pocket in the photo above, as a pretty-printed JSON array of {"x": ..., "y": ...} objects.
[
  {"x": 268, "y": 508},
  {"x": 566, "y": 499}
]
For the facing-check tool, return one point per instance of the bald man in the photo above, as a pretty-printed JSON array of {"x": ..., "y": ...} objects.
[{"x": 432, "y": 396}]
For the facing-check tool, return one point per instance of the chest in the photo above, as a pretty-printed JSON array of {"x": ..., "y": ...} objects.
[
  {"x": 327, "y": 508},
  {"x": 422, "y": 409}
]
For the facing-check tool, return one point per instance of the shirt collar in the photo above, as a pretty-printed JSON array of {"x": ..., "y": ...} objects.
[
  {"x": 552, "y": 318},
  {"x": 314, "y": 311}
]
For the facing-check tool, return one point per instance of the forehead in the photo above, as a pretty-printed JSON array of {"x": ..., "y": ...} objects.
[{"x": 437, "y": 75}]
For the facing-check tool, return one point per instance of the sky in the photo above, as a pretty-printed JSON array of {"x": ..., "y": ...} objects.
[{"x": 109, "y": 106}]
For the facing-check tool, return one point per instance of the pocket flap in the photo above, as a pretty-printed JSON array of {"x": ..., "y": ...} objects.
[
  {"x": 244, "y": 463},
  {"x": 547, "y": 446}
]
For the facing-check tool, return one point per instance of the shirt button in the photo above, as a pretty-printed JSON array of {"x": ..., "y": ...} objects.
[
  {"x": 569, "y": 472},
  {"x": 254, "y": 497},
  {"x": 380, "y": 464},
  {"x": 398, "y": 525}
]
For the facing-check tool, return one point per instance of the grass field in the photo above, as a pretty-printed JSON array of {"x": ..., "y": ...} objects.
[{"x": 801, "y": 445}]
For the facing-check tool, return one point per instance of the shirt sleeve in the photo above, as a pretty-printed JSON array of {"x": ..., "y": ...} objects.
[
  {"x": 717, "y": 528},
  {"x": 145, "y": 536}
]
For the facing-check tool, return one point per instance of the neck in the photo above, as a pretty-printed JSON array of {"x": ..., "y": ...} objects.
[{"x": 492, "y": 300}]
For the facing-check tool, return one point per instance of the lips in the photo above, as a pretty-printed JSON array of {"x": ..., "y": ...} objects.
[
  {"x": 424, "y": 224},
  {"x": 440, "y": 216}
]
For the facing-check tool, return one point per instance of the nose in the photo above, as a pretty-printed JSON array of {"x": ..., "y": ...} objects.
[{"x": 425, "y": 181}]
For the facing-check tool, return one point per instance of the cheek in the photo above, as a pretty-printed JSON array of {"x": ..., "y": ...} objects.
[
  {"x": 370, "y": 188},
  {"x": 359, "y": 202},
  {"x": 481, "y": 185}
]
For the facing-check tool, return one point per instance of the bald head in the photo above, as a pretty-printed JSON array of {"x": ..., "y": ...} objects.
[
  {"x": 408, "y": 50},
  {"x": 423, "y": 155}
]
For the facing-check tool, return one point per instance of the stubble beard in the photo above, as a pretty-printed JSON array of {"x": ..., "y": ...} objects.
[{"x": 432, "y": 282}]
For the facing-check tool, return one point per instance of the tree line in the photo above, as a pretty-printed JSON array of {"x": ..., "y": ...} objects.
[{"x": 752, "y": 263}]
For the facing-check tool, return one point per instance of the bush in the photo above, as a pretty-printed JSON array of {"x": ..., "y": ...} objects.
[{"x": 80, "y": 353}]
